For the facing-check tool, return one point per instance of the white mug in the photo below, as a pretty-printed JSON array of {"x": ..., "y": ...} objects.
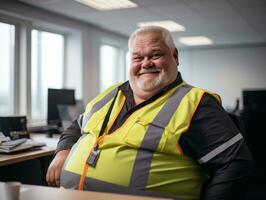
[{"x": 9, "y": 190}]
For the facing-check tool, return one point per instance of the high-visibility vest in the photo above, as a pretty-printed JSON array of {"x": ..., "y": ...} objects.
[{"x": 144, "y": 152}]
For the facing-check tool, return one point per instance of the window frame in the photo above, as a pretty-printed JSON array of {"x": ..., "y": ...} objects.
[{"x": 121, "y": 54}]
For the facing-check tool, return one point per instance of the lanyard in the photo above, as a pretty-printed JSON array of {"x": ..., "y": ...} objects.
[
  {"x": 95, "y": 153},
  {"x": 107, "y": 116}
]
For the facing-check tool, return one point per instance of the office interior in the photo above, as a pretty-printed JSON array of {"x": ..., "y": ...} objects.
[{"x": 94, "y": 55}]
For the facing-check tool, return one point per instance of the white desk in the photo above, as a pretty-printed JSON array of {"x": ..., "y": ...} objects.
[
  {"x": 50, "y": 142},
  {"x": 30, "y": 192}
]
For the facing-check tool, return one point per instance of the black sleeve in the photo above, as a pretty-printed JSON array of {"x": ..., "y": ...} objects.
[
  {"x": 69, "y": 137},
  {"x": 215, "y": 142}
]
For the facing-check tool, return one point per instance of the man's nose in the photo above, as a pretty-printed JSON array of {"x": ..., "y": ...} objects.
[{"x": 147, "y": 63}]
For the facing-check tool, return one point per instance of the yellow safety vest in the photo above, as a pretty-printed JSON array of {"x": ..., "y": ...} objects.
[{"x": 144, "y": 152}]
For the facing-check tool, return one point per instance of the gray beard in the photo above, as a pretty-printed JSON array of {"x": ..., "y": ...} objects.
[{"x": 159, "y": 81}]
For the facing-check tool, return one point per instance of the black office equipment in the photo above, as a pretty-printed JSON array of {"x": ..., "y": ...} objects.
[
  {"x": 58, "y": 97},
  {"x": 254, "y": 100},
  {"x": 254, "y": 115},
  {"x": 14, "y": 126}
]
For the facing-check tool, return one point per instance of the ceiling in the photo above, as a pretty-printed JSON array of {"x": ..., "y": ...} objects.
[{"x": 225, "y": 22}]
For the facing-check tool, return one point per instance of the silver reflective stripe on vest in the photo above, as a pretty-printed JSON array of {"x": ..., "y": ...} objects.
[
  {"x": 91, "y": 184},
  {"x": 97, "y": 106},
  {"x": 152, "y": 138},
  {"x": 103, "y": 186},
  {"x": 80, "y": 121},
  {"x": 69, "y": 180},
  {"x": 66, "y": 178},
  {"x": 220, "y": 149}
]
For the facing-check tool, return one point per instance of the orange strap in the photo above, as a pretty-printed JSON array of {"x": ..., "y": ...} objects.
[
  {"x": 99, "y": 140},
  {"x": 82, "y": 178},
  {"x": 86, "y": 166}
]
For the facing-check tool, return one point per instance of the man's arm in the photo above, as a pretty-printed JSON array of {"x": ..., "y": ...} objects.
[
  {"x": 55, "y": 168},
  {"x": 215, "y": 142},
  {"x": 67, "y": 139}
]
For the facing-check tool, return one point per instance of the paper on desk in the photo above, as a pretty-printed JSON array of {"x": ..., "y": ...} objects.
[
  {"x": 28, "y": 144},
  {"x": 3, "y": 138},
  {"x": 8, "y": 145}
]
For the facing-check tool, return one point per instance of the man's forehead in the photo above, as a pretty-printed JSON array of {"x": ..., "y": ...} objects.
[
  {"x": 151, "y": 50},
  {"x": 152, "y": 40},
  {"x": 148, "y": 36}
]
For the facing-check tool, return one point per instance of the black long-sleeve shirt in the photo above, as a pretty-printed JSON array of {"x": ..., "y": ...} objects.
[{"x": 210, "y": 128}]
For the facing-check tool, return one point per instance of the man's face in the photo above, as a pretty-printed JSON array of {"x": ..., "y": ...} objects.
[{"x": 153, "y": 63}]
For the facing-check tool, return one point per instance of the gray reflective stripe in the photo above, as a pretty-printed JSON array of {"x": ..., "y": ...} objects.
[
  {"x": 65, "y": 179},
  {"x": 102, "y": 186},
  {"x": 220, "y": 149},
  {"x": 80, "y": 120},
  {"x": 98, "y": 105},
  {"x": 69, "y": 180},
  {"x": 152, "y": 138}
]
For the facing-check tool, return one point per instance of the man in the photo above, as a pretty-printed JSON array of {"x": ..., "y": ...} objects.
[{"x": 154, "y": 133}]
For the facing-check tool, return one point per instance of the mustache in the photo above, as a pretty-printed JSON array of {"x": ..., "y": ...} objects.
[{"x": 149, "y": 70}]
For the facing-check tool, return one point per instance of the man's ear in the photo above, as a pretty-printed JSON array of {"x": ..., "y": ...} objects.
[{"x": 175, "y": 54}]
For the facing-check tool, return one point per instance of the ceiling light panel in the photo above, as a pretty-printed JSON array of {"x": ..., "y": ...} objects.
[
  {"x": 108, "y": 4},
  {"x": 168, "y": 24},
  {"x": 195, "y": 41}
]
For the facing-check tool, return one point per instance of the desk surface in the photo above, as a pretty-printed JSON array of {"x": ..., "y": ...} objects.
[
  {"x": 23, "y": 156},
  {"x": 30, "y": 192},
  {"x": 6, "y": 159}
]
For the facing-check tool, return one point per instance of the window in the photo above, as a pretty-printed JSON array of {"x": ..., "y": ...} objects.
[
  {"x": 7, "y": 75},
  {"x": 128, "y": 64},
  {"x": 108, "y": 66},
  {"x": 112, "y": 66},
  {"x": 47, "y": 69}
]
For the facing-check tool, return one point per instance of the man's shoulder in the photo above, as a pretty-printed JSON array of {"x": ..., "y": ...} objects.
[
  {"x": 102, "y": 95},
  {"x": 205, "y": 92},
  {"x": 111, "y": 88}
]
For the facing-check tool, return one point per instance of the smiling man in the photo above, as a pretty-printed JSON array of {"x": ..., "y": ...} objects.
[
  {"x": 154, "y": 134},
  {"x": 154, "y": 63}
]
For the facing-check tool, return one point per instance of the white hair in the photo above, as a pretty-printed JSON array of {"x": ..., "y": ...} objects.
[{"x": 166, "y": 35}]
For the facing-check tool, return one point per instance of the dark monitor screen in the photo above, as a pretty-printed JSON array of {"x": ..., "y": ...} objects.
[
  {"x": 58, "y": 97},
  {"x": 9, "y": 124},
  {"x": 254, "y": 100}
]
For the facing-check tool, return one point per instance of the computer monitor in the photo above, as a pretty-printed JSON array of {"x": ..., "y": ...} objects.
[
  {"x": 253, "y": 116},
  {"x": 58, "y": 97},
  {"x": 254, "y": 100},
  {"x": 14, "y": 126}
]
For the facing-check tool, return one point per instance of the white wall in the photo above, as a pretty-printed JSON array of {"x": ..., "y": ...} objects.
[{"x": 226, "y": 71}]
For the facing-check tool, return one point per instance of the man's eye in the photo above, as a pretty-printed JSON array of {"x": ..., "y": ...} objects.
[
  {"x": 156, "y": 56},
  {"x": 136, "y": 58}
]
